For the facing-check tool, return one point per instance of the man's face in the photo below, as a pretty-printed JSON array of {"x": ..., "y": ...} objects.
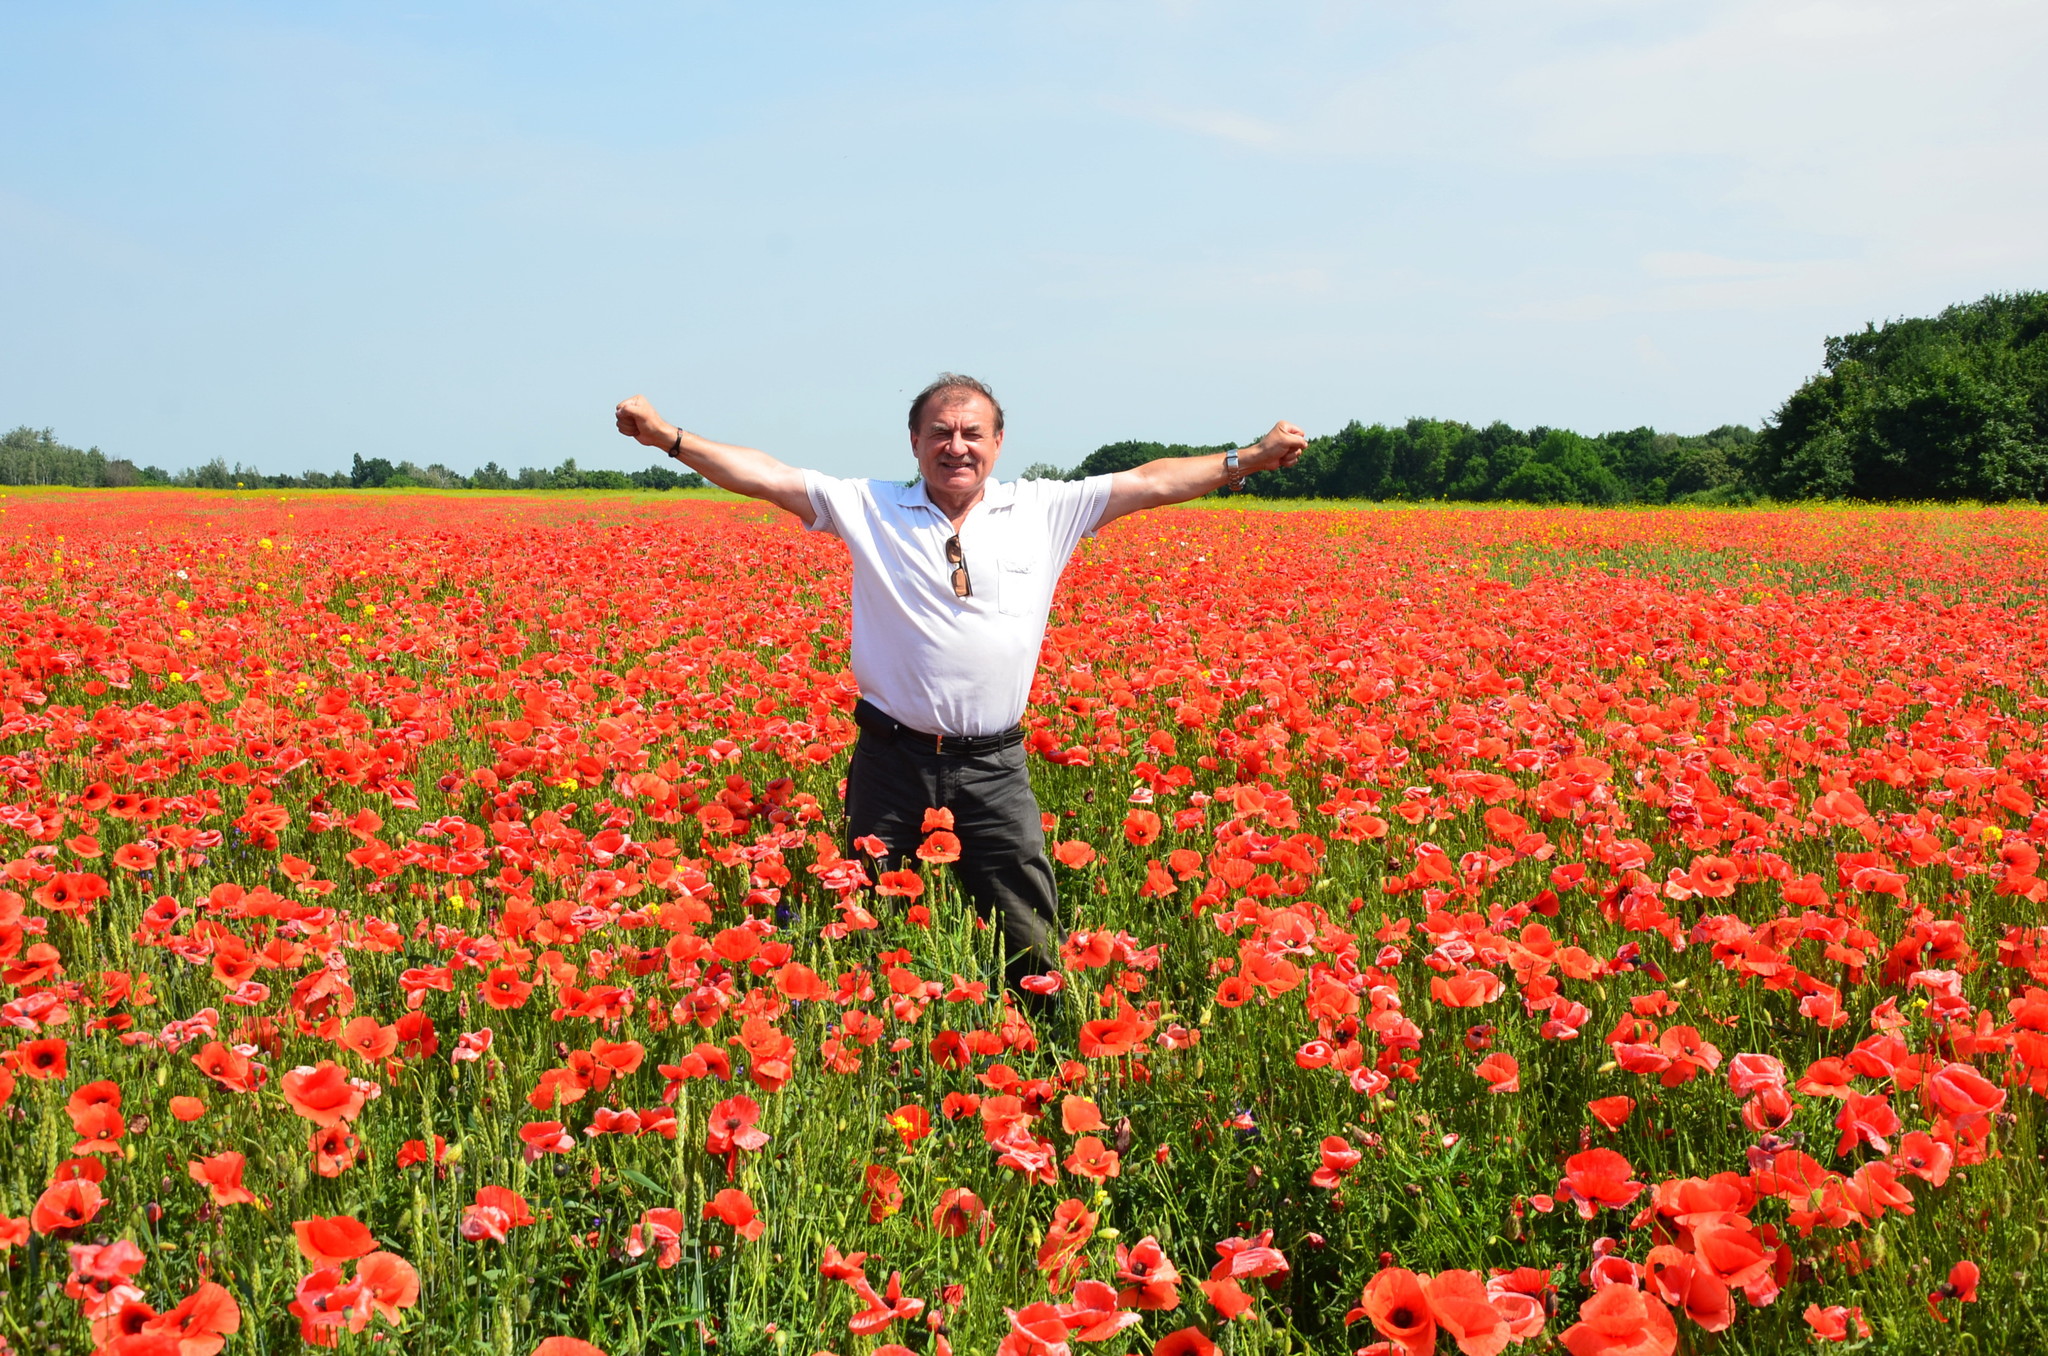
[{"x": 957, "y": 444}]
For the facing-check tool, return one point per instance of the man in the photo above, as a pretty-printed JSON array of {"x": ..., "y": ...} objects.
[{"x": 952, "y": 580}]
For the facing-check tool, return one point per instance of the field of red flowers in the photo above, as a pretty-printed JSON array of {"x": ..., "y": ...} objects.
[{"x": 427, "y": 920}]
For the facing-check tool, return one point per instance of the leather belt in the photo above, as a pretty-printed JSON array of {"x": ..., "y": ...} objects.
[{"x": 874, "y": 720}]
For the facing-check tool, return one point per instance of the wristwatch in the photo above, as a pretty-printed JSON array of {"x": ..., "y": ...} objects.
[{"x": 1230, "y": 465}]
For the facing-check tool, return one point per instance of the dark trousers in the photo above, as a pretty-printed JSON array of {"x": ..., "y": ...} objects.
[{"x": 1002, "y": 868}]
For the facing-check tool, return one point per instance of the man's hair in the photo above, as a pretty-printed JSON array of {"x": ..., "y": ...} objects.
[{"x": 953, "y": 387}]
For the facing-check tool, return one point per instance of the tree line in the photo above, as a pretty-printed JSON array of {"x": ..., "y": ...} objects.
[
  {"x": 1444, "y": 459},
  {"x": 34, "y": 457},
  {"x": 1946, "y": 407}
]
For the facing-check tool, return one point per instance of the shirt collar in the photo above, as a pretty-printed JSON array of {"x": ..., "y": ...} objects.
[{"x": 995, "y": 494}]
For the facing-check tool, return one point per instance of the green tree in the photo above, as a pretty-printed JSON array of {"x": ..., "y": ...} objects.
[
  {"x": 661, "y": 478},
  {"x": 1360, "y": 459},
  {"x": 1564, "y": 468},
  {"x": 34, "y": 457},
  {"x": 370, "y": 474},
  {"x": 1943, "y": 407},
  {"x": 211, "y": 475}
]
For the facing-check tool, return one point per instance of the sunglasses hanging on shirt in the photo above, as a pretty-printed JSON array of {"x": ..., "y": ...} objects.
[{"x": 958, "y": 560}]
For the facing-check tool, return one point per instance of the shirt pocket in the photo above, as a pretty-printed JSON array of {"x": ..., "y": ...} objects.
[{"x": 1018, "y": 582}]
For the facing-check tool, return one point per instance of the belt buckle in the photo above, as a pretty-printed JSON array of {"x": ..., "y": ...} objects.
[{"x": 938, "y": 743}]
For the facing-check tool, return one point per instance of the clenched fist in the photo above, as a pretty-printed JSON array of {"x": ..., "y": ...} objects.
[
  {"x": 1282, "y": 446},
  {"x": 640, "y": 421}
]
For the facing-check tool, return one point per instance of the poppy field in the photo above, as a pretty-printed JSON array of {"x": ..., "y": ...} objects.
[{"x": 427, "y": 921}]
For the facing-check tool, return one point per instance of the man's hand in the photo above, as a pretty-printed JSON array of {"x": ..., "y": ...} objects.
[
  {"x": 743, "y": 470},
  {"x": 639, "y": 421},
  {"x": 1281, "y": 446}
]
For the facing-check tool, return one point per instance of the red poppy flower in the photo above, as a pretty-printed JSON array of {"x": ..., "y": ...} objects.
[
  {"x": 135, "y": 857},
  {"x": 1399, "y": 1309},
  {"x": 1074, "y": 853},
  {"x": 1958, "y": 1090},
  {"x": 1865, "y": 1120},
  {"x": 1960, "y": 1288},
  {"x": 391, "y": 1283},
  {"x": 911, "y": 1123},
  {"x": 1459, "y": 1303},
  {"x": 939, "y": 847},
  {"x": 959, "y": 1211},
  {"x": 202, "y": 1322},
  {"x": 1471, "y": 989},
  {"x": 730, "y": 1131},
  {"x": 234, "y": 1071},
  {"x": 882, "y": 1309},
  {"x": 366, "y": 1037},
  {"x": 736, "y": 1208},
  {"x": 44, "y": 1058},
  {"x": 91, "y": 1096},
  {"x": 1836, "y": 1323},
  {"x": 1620, "y": 1320},
  {"x": 99, "y": 1129},
  {"x": 881, "y": 1191},
  {"x": 1338, "y": 1158},
  {"x": 495, "y": 1212},
  {"x": 1234, "y": 992},
  {"x": 542, "y": 1138},
  {"x": 1501, "y": 1071},
  {"x": 1093, "y": 1159},
  {"x": 331, "y": 1240},
  {"x": 72, "y": 893},
  {"x": 1612, "y": 1112},
  {"x": 322, "y": 1094},
  {"x": 566, "y": 1346},
  {"x": 1069, "y": 1230},
  {"x": 502, "y": 988},
  {"x": 221, "y": 1175},
  {"x": 1227, "y": 1298},
  {"x": 1523, "y": 1296},
  {"x": 1597, "y": 1179},
  {"x": 334, "y": 1151},
  {"x": 1184, "y": 1342},
  {"x": 1148, "y": 1277},
  {"x": 68, "y": 1204},
  {"x": 1078, "y": 1115}
]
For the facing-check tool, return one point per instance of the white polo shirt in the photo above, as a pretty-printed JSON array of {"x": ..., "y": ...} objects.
[{"x": 936, "y": 662}]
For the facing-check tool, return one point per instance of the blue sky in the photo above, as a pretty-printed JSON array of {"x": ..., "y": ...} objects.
[{"x": 284, "y": 234}]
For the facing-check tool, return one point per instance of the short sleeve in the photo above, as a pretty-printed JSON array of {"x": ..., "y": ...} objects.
[
  {"x": 1071, "y": 509},
  {"x": 829, "y": 499}
]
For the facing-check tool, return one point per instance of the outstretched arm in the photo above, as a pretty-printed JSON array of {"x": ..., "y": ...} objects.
[
  {"x": 743, "y": 470},
  {"x": 1174, "y": 480}
]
